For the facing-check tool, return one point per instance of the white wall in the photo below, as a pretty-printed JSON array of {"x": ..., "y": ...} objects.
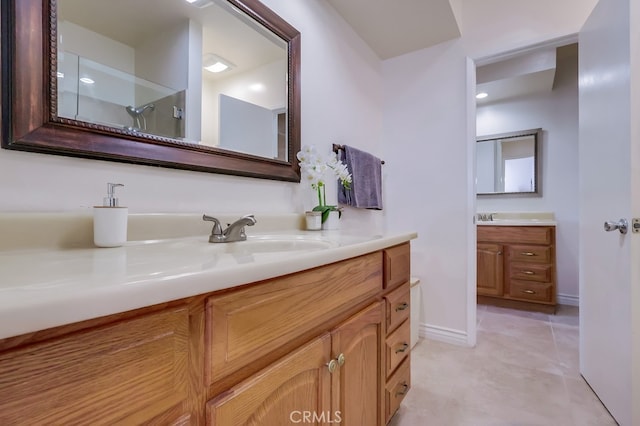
[
  {"x": 335, "y": 102},
  {"x": 94, "y": 46},
  {"x": 425, "y": 132},
  {"x": 556, "y": 112},
  {"x": 239, "y": 86},
  {"x": 426, "y": 137}
]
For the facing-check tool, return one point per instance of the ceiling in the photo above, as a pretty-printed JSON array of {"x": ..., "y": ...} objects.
[
  {"x": 390, "y": 28},
  {"x": 225, "y": 32},
  {"x": 393, "y": 28}
]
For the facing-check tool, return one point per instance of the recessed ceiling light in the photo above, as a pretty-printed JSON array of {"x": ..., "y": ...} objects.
[
  {"x": 60, "y": 74},
  {"x": 216, "y": 67},
  {"x": 200, "y": 3},
  {"x": 86, "y": 80},
  {"x": 214, "y": 63},
  {"x": 482, "y": 95},
  {"x": 257, "y": 87}
]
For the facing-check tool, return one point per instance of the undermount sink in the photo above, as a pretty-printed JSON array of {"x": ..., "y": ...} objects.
[{"x": 276, "y": 243}]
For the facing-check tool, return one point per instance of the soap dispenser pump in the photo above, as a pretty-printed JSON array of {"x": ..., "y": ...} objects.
[{"x": 110, "y": 220}]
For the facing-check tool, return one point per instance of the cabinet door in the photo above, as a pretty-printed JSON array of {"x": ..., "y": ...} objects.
[
  {"x": 490, "y": 269},
  {"x": 357, "y": 388},
  {"x": 130, "y": 372},
  {"x": 296, "y": 389}
]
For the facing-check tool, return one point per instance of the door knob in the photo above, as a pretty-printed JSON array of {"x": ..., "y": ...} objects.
[{"x": 622, "y": 225}]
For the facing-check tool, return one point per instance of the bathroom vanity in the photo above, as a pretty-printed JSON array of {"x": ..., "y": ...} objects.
[
  {"x": 516, "y": 264},
  {"x": 312, "y": 332}
]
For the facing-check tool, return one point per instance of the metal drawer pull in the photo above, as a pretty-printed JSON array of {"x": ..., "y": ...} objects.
[
  {"x": 405, "y": 388},
  {"x": 402, "y": 306},
  {"x": 402, "y": 348},
  {"x": 529, "y": 291},
  {"x": 527, "y": 253},
  {"x": 332, "y": 365},
  {"x": 528, "y": 272}
]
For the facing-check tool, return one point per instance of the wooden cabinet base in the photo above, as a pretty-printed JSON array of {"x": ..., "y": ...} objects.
[
  {"x": 307, "y": 348},
  {"x": 517, "y": 304}
]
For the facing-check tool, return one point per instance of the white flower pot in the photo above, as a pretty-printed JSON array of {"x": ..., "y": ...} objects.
[{"x": 332, "y": 222}]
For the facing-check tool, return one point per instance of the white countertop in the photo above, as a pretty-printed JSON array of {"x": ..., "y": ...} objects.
[
  {"x": 516, "y": 222},
  {"x": 43, "y": 288},
  {"x": 518, "y": 219}
]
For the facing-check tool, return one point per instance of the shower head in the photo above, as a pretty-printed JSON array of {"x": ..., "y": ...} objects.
[{"x": 135, "y": 112}]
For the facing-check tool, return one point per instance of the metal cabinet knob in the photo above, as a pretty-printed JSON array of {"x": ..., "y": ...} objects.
[
  {"x": 402, "y": 348},
  {"x": 402, "y": 306},
  {"x": 404, "y": 387},
  {"x": 332, "y": 365},
  {"x": 622, "y": 225}
]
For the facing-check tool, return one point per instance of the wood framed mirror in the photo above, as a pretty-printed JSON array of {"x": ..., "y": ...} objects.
[{"x": 35, "y": 116}]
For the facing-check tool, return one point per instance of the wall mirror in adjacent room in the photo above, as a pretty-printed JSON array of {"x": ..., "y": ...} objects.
[
  {"x": 208, "y": 85},
  {"x": 508, "y": 163}
]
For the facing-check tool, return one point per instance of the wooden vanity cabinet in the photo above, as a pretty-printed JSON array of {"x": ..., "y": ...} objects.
[
  {"x": 517, "y": 267},
  {"x": 258, "y": 354}
]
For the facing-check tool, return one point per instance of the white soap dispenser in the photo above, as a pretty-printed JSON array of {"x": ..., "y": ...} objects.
[{"x": 110, "y": 220}]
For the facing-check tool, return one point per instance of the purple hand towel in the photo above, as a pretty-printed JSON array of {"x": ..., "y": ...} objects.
[{"x": 366, "y": 173}]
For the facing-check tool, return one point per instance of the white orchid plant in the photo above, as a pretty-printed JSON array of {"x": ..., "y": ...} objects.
[{"x": 314, "y": 167}]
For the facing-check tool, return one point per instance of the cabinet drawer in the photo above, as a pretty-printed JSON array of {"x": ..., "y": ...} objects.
[
  {"x": 516, "y": 234},
  {"x": 535, "y": 254},
  {"x": 398, "y": 306},
  {"x": 397, "y": 265},
  {"x": 398, "y": 345},
  {"x": 128, "y": 373},
  {"x": 245, "y": 325},
  {"x": 530, "y": 271},
  {"x": 527, "y": 290},
  {"x": 396, "y": 389}
]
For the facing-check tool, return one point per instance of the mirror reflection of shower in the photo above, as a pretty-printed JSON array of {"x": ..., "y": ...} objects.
[{"x": 137, "y": 114}]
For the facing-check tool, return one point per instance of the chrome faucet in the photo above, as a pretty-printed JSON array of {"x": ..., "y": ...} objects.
[{"x": 234, "y": 231}]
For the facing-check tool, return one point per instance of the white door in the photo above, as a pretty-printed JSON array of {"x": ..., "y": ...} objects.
[{"x": 609, "y": 190}]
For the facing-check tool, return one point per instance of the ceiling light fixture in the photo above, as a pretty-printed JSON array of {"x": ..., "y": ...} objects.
[
  {"x": 200, "y": 3},
  {"x": 214, "y": 63},
  {"x": 86, "y": 80},
  {"x": 482, "y": 95}
]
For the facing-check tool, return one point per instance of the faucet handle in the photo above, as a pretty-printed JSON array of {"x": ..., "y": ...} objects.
[{"x": 217, "y": 228}]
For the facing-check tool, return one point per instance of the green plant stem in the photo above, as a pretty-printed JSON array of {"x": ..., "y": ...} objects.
[
  {"x": 320, "y": 197},
  {"x": 324, "y": 195}
]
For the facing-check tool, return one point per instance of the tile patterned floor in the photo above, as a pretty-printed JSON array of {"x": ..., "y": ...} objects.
[{"x": 522, "y": 372}]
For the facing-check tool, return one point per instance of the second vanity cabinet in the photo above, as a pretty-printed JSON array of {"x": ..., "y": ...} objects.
[
  {"x": 517, "y": 267},
  {"x": 330, "y": 342}
]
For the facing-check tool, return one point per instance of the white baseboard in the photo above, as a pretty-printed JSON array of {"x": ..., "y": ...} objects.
[
  {"x": 567, "y": 299},
  {"x": 443, "y": 334}
]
